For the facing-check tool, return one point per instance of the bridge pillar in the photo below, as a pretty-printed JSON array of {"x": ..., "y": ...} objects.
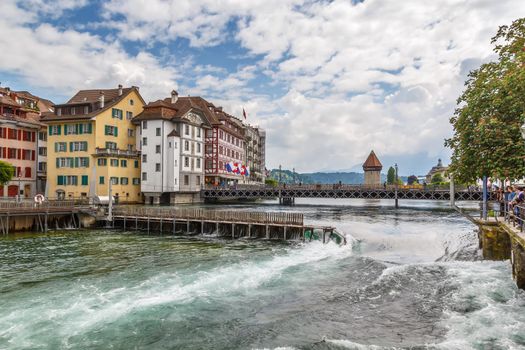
[{"x": 452, "y": 192}]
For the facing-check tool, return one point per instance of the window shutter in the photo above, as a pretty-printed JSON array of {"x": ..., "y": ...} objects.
[
  {"x": 32, "y": 155},
  {"x": 106, "y": 130},
  {"x": 76, "y": 162},
  {"x": 56, "y": 146},
  {"x": 50, "y": 130},
  {"x": 58, "y": 162},
  {"x": 84, "y": 180},
  {"x": 90, "y": 128},
  {"x": 116, "y": 131},
  {"x": 60, "y": 180},
  {"x": 59, "y": 129},
  {"x": 71, "y": 147},
  {"x": 87, "y": 162},
  {"x": 80, "y": 128}
]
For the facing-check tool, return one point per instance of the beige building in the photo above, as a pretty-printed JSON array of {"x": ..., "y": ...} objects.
[
  {"x": 372, "y": 168},
  {"x": 438, "y": 169}
]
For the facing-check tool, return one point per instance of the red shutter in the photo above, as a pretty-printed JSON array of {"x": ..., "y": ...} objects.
[
  {"x": 5, "y": 152},
  {"x": 19, "y": 153},
  {"x": 19, "y": 132},
  {"x": 33, "y": 155},
  {"x": 18, "y": 171},
  {"x": 28, "y": 172}
]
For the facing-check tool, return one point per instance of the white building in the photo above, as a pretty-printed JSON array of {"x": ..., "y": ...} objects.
[{"x": 171, "y": 141}]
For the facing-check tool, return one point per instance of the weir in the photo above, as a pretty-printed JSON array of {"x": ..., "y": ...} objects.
[{"x": 228, "y": 224}]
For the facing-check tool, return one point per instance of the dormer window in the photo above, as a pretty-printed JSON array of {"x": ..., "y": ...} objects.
[
  {"x": 131, "y": 102},
  {"x": 59, "y": 111},
  {"x": 86, "y": 109}
]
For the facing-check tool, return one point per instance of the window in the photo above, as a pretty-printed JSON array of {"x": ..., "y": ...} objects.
[
  {"x": 186, "y": 129},
  {"x": 186, "y": 161},
  {"x": 157, "y": 167},
  {"x": 111, "y": 145},
  {"x": 144, "y": 125},
  {"x": 198, "y": 162},
  {"x": 186, "y": 180},
  {"x": 78, "y": 146},
  {"x": 60, "y": 146},
  {"x": 123, "y": 163},
  {"x": 131, "y": 133},
  {"x": 157, "y": 131},
  {"x": 86, "y": 109},
  {"x": 129, "y": 115},
  {"x": 113, "y": 162},
  {"x": 116, "y": 113},
  {"x": 169, "y": 144},
  {"x": 102, "y": 161},
  {"x": 144, "y": 141},
  {"x": 42, "y": 136},
  {"x": 110, "y": 130},
  {"x": 84, "y": 162},
  {"x": 175, "y": 145},
  {"x": 131, "y": 102},
  {"x": 124, "y": 181},
  {"x": 67, "y": 180},
  {"x": 53, "y": 129},
  {"x": 198, "y": 148},
  {"x": 144, "y": 176},
  {"x": 186, "y": 146},
  {"x": 86, "y": 128},
  {"x": 175, "y": 162},
  {"x": 42, "y": 151},
  {"x": 101, "y": 180},
  {"x": 198, "y": 180},
  {"x": 157, "y": 149},
  {"x": 144, "y": 158},
  {"x": 198, "y": 132},
  {"x": 209, "y": 133},
  {"x": 114, "y": 180},
  {"x": 85, "y": 180},
  {"x": 136, "y": 164},
  {"x": 136, "y": 181},
  {"x": 70, "y": 129}
]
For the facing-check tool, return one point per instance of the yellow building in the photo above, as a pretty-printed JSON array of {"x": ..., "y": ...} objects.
[{"x": 91, "y": 141}]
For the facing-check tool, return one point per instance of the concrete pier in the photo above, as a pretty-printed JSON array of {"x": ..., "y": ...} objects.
[{"x": 501, "y": 241}]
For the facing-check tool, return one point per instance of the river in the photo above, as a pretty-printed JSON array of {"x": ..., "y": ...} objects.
[{"x": 410, "y": 278}]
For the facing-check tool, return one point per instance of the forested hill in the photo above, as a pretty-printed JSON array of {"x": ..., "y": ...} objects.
[{"x": 320, "y": 178}]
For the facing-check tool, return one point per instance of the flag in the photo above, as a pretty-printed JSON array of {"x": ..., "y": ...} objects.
[
  {"x": 229, "y": 167},
  {"x": 244, "y": 113},
  {"x": 247, "y": 171},
  {"x": 243, "y": 170}
]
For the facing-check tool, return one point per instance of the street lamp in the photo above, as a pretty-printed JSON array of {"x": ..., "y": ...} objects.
[
  {"x": 279, "y": 174},
  {"x": 396, "y": 184}
]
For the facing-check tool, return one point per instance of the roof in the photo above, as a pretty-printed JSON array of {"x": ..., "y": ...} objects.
[
  {"x": 91, "y": 97},
  {"x": 173, "y": 133},
  {"x": 372, "y": 162}
]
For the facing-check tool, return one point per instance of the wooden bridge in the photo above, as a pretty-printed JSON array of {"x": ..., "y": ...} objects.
[
  {"x": 12, "y": 211},
  {"x": 287, "y": 193},
  {"x": 229, "y": 224}
]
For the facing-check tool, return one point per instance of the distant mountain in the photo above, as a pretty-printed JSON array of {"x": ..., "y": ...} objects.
[{"x": 351, "y": 178}]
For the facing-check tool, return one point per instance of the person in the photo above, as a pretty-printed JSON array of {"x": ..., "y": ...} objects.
[
  {"x": 384, "y": 185},
  {"x": 507, "y": 198}
]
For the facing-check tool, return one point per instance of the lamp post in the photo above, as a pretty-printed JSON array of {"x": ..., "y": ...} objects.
[
  {"x": 396, "y": 184},
  {"x": 279, "y": 174},
  {"x": 293, "y": 175}
]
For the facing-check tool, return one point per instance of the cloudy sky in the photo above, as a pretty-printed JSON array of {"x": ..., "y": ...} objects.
[{"x": 328, "y": 80}]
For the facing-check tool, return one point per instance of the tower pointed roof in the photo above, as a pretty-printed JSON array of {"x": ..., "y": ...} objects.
[{"x": 372, "y": 162}]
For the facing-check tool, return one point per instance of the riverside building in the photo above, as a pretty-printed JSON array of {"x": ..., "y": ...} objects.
[
  {"x": 254, "y": 151},
  {"x": 19, "y": 127},
  {"x": 91, "y": 142},
  {"x": 171, "y": 140}
]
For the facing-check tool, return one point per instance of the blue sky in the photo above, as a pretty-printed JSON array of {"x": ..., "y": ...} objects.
[{"x": 328, "y": 80}]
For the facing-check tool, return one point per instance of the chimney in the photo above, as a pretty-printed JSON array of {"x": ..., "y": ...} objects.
[
  {"x": 101, "y": 99},
  {"x": 120, "y": 89},
  {"x": 8, "y": 90},
  {"x": 174, "y": 96}
]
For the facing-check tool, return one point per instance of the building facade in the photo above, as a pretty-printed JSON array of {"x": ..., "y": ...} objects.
[
  {"x": 438, "y": 169},
  {"x": 372, "y": 168},
  {"x": 171, "y": 140},
  {"x": 254, "y": 151},
  {"x": 92, "y": 143},
  {"x": 19, "y": 128}
]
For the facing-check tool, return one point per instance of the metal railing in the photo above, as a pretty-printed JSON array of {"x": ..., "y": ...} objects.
[
  {"x": 115, "y": 152},
  {"x": 514, "y": 215},
  {"x": 336, "y": 186},
  {"x": 213, "y": 215},
  {"x": 24, "y": 205}
]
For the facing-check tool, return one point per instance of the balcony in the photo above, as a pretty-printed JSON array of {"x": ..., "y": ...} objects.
[{"x": 115, "y": 152}]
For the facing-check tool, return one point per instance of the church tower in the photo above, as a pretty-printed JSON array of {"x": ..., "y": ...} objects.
[{"x": 372, "y": 168}]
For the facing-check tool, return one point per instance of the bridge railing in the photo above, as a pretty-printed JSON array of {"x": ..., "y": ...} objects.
[
  {"x": 212, "y": 215},
  {"x": 12, "y": 206},
  {"x": 346, "y": 187}
]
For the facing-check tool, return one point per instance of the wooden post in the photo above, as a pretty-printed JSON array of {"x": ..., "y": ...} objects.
[
  {"x": 249, "y": 230},
  {"x": 267, "y": 232},
  {"x": 217, "y": 227},
  {"x": 188, "y": 226},
  {"x": 160, "y": 228},
  {"x": 202, "y": 227},
  {"x": 452, "y": 191},
  {"x": 148, "y": 224},
  {"x": 124, "y": 222},
  {"x": 174, "y": 222},
  {"x": 233, "y": 231},
  {"x": 285, "y": 233},
  {"x": 45, "y": 222},
  {"x": 136, "y": 223}
]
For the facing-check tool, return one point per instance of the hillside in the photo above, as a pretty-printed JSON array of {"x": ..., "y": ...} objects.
[{"x": 351, "y": 178}]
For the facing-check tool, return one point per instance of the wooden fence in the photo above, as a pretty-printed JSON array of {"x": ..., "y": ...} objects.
[{"x": 213, "y": 215}]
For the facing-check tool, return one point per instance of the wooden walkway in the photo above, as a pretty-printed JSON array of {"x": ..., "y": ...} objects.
[{"x": 234, "y": 224}]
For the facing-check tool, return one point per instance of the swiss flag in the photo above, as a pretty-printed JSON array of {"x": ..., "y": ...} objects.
[{"x": 244, "y": 113}]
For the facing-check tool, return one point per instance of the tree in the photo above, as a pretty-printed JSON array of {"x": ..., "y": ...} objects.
[
  {"x": 6, "y": 172},
  {"x": 487, "y": 139},
  {"x": 437, "y": 179},
  {"x": 391, "y": 176},
  {"x": 412, "y": 179},
  {"x": 271, "y": 182}
]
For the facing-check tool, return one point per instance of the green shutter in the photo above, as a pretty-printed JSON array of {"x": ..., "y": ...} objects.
[
  {"x": 89, "y": 128},
  {"x": 75, "y": 162},
  {"x": 84, "y": 180},
  {"x": 101, "y": 180},
  {"x": 71, "y": 147},
  {"x": 106, "y": 129},
  {"x": 87, "y": 162},
  {"x": 58, "y": 162},
  {"x": 59, "y": 129},
  {"x": 80, "y": 128},
  {"x": 60, "y": 180},
  {"x": 50, "y": 130},
  {"x": 136, "y": 164},
  {"x": 116, "y": 131},
  {"x": 56, "y": 147}
]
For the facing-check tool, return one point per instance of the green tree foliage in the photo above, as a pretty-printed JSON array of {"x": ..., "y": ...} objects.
[
  {"x": 391, "y": 176},
  {"x": 412, "y": 179},
  {"x": 437, "y": 179},
  {"x": 6, "y": 172},
  {"x": 271, "y": 182},
  {"x": 487, "y": 139}
]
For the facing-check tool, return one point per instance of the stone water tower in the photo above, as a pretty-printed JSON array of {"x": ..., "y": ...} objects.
[{"x": 372, "y": 168}]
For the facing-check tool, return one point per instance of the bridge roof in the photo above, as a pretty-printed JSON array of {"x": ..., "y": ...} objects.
[{"x": 372, "y": 162}]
